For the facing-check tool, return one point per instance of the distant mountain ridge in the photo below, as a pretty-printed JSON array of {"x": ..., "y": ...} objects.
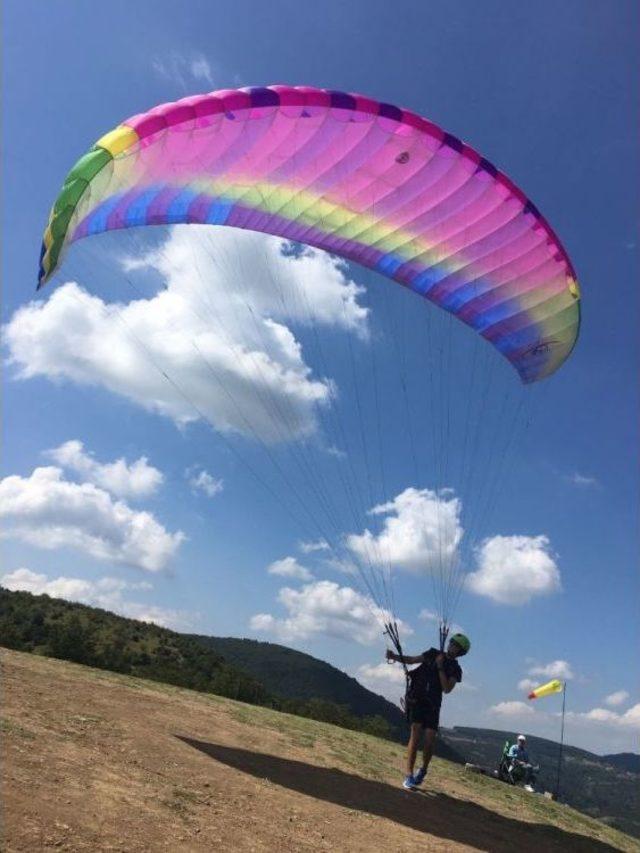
[{"x": 624, "y": 761}]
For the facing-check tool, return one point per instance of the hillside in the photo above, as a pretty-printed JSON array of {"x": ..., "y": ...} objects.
[
  {"x": 75, "y": 632},
  {"x": 284, "y": 679},
  {"x": 100, "y": 761},
  {"x": 591, "y": 783},
  {"x": 295, "y": 675},
  {"x": 624, "y": 761}
]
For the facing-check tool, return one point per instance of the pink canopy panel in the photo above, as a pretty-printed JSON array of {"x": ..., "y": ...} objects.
[{"x": 368, "y": 181}]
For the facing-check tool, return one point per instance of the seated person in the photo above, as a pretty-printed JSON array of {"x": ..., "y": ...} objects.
[{"x": 519, "y": 759}]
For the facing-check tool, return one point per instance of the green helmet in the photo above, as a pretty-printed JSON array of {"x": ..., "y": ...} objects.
[{"x": 462, "y": 641}]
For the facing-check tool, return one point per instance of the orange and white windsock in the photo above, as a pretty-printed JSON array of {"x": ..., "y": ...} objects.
[{"x": 555, "y": 686}]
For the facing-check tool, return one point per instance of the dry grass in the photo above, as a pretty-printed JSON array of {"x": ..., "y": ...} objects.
[{"x": 98, "y": 761}]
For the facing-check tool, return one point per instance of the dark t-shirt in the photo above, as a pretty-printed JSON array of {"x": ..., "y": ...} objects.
[{"x": 425, "y": 680}]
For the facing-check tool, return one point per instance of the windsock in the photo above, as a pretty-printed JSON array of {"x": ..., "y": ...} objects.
[{"x": 555, "y": 686}]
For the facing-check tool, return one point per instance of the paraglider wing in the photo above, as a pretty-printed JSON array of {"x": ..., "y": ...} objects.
[{"x": 365, "y": 180}]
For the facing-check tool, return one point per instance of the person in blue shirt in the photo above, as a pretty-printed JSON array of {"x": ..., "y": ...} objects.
[{"x": 519, "y": 757}]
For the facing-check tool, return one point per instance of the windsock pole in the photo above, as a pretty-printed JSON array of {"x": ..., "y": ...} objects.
[{"x": 564, "y": 697}]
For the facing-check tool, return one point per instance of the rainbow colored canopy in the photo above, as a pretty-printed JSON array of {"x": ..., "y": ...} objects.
[{"x": 365, "y": 180}]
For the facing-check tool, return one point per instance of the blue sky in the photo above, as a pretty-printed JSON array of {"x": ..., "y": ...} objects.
[{"x": 547, "y": 94}]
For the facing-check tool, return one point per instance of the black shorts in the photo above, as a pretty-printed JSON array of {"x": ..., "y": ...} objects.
[{"x": 427, "y": 715}]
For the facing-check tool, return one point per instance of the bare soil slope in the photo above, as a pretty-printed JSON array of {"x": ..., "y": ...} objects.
[{"x": 97, "y": 761}]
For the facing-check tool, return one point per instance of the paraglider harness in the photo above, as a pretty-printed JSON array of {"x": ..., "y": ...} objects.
[
  {"x": 505, "y": 765},
  {"x": 416, "y": 681}
]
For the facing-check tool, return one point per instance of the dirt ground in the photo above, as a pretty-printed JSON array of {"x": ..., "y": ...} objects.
[{"x": 101, "y": 762}]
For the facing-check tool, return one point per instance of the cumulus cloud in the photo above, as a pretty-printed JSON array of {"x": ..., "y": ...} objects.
[
  {"x": 313, "y": 546},
  {"x": 617, "y": 698},
  {"x": 380, "y": 673},
  {"x": 629, "y": 719},
  {"x": 599, "y": 729},
  {"x": 515, "y": 708},
  {"x": 528, "y": 684},
  {"x": 50, "y": 512},
  {"x": 106, "y": 593},
  {"x": 323, "y": 608},
  {"x": 514, "y": 569},
  {"x": 343, "y": 563},
  {"x": 217, "y": 328},
  {"x": 203, "y": 481},
  {"x": 166, "y": 617},
  {"x": 289, "y": 567},
  {"x": 428, "y": 615},
  {"x": 135, "y": 480},
  {"x": 420, "y": 529},
  {"x": 555, "y": 669},
  {"x": 382, "y": 678},
  {"x": 73, "y": 589}
]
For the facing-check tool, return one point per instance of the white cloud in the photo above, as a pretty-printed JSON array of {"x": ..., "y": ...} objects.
[
  {"x": 343, "y": 563},
  {"x": 598, "y": 715},
  {"x": 527, "y": 685},
  {"x": 200, "y": 69},
  {"x": 629, "y": 719},
  {"x": 324, "y": 608},
  {"x": 514, "y": 569},
  {"x": 106, "y": 593},
  {"x": 428, "y": 615},
  {"x": 289, "y": 567},
  {"x": 135, "y": 480},
  {"x": 383, "y": 678},
  {"x": 432, "y": 617},
  {"x": 332, "y": 450},
  {"x": 617, "y": 698},
  {"x": 263, "y": 622},
  {"x": 184, "y": 69},
  {"x": 421, "y": 529},
  {"x": 50, "y": 512},
  {"x": 599, "y": 730},
  {"x": 581, "y": 480},
  {"x": 555, "y": 669},
  {"x": 203, "y": 481},
  {"x": 312, "y": 547},
  {"x": 381, "y": 673},
  {"x": 515, "y": 708},
  {"x": 73, "y": 589},
  {"x": 166, "y": 617},
  {"x": 217, "y": 330}
]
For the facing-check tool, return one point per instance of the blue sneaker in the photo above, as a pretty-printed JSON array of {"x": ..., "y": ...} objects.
[
  {"x": 409, "y": 783},
  {"x": 418, "y": 778}
]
